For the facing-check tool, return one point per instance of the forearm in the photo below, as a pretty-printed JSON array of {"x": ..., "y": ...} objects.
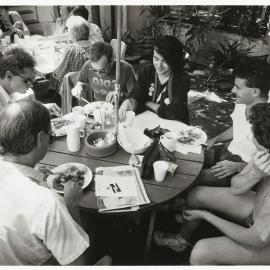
[
  {"x": 74, "y": 212},
  {"x": 224, "y": 136},
  {"x": 152, "y": 106},
  {"x": 244, "y": 236},
  {"x": 246, "y": 179}
]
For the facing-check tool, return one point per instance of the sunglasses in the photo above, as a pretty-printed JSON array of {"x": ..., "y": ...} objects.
[
  {"x": 28, "y": 82},
  {"x": 101, "y": 71}
]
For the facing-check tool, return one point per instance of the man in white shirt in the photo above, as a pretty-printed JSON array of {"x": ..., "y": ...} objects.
[
  {"x": 36, "y": 224},
  {"x": 251, "y": 86},
  {"x": 17, "y": 76}
]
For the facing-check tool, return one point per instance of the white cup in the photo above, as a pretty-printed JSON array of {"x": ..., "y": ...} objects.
[
  {"x": 130, "y": 115},
  {"x": 160, "y": 170},
  {"x": 169, "y": 141},
  {"x": 80, "y": 120},
  {"x": 99, "y": 116},
  {"x": 73, "y": 137}
]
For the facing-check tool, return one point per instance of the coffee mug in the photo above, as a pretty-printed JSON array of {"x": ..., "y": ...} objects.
[
  {"x": 74, "y": 133},
  {"x": 168, "y": 141}
]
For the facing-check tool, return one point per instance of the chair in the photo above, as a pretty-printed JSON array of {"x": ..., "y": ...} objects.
[{"x": 113, "y": 43}]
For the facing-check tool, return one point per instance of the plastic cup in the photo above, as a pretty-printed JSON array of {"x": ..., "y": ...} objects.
[
  {"x": 73, "y": 138},
  {"x": 160, "y": 170}
]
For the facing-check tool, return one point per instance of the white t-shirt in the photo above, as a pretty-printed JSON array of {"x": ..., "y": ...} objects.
[
  {"x": 242, "y": 144},
  {"x": 35, "y": 223}
]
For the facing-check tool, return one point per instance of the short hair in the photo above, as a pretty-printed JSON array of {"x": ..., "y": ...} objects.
[
  {"x": 171, "y": 49},
  {"x": 20, "y": 123},
  {"x": 81, "y": 11},
  {"x": 15, "y": 60},
  {"x": 255, "y": 72},
  {"x": 78, "y": 28},
  {"x": 98, "y": 49},
  {"x": 259, "y": 119}
]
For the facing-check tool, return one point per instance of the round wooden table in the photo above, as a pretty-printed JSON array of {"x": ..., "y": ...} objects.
[{"x": 159, "y": 193}]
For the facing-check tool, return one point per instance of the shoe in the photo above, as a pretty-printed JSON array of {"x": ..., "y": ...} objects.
[{"x": 173, "y": 241}]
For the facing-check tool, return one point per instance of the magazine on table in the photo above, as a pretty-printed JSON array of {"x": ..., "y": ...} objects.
[{"x": 119, "y": 189}]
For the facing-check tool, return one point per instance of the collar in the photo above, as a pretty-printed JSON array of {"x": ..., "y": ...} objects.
[
  {"x": 33, "y": 174},
  {"x": 4, "y": 96}
]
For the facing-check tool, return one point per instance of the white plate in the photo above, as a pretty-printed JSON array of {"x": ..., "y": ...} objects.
[
  {"x": 102, "y": 105},
  {"x": 197, "y": 141},
  {"x": 63, "y": 167}
]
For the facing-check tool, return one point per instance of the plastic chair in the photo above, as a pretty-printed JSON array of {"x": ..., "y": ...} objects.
[{"x": 113, "y": 43}]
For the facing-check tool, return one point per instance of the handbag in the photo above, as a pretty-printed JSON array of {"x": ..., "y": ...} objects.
[{"x": 151, "y": 155}]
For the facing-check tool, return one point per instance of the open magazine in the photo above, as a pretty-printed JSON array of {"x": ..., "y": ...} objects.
[{"x": 119, "y": 189}]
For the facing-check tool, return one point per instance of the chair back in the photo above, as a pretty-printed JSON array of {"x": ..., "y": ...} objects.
[{"x": 113, "y": 43}]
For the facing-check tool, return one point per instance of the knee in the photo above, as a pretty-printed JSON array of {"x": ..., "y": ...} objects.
[
  {"x": 195, "y": 197},
  {"x": 201, "y": 253}
]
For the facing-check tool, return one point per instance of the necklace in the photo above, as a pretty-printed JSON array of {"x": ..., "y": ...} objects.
[{"x": 154, "y": 96}]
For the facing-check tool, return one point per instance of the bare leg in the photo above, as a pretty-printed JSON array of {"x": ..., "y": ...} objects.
[
  {"x": 219, "y": 199},
  {"x": 223, "y": 250}
]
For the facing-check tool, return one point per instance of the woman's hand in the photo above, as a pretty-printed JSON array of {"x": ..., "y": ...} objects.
[{"x": 110, "y": 97}]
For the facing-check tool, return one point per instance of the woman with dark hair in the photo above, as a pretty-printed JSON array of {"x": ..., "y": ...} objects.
[{"x": 163, "y": 86}]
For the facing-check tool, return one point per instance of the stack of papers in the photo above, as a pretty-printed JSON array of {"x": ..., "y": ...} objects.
[{"x": 119, "y": 189}]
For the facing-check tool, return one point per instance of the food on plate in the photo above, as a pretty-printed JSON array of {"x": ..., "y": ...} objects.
[
  {"x": 100, "y": 142},
  {"x": 98, "y": 105},
  {"x": 190, "y": 136},
  {"x": 72, "y": 173}
]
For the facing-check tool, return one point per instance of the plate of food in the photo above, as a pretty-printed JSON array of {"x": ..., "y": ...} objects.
[
  {"x": 59, "y": 125},
  {"x": 75, "y": 172},
  {"x": 98, "y": 105},
  {"x": 191, "y": 136}
]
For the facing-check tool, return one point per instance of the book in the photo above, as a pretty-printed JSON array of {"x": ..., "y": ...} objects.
[{"x": 119, "y": 189}]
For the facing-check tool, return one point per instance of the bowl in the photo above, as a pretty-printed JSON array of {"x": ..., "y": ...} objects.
[
  {"x": 133, "y": 140},
  {"x": 99, "y": 151}
]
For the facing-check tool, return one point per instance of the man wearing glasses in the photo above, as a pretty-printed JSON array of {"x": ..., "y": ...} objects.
[
  {"x": 99, "y": 75},
  {"x": 17, "y": 77}
]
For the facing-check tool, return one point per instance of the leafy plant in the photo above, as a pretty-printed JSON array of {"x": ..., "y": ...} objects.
[{"x": 153, "y": 19}]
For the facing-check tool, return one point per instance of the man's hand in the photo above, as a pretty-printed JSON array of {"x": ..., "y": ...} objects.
[
  {"x": 53, "y": 109},
  {"x": 225, "y": 168},
  {"x": 192, "y": 215},
  {"x": 77, "y": 91},
  {"x": 72, "y": 193},
  {"x": 110, "y": 97},
  {"x": 127, "y": 105},
  {"x": 261, "y": 161}
]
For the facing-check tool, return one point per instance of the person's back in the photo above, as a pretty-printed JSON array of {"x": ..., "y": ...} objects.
[{"x": 36, "y": 224}]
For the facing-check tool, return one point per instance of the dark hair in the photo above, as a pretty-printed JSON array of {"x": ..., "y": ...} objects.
[
  {"x": 259, "y": 119},
  {"x": 15, "y": 60},
  {"x": 81, "y": 11},
  {"x": 255, "y": 72},
  {"x": 20, "y": 123},
  {"x": 171, "y": 49},
  {"x": 98, "y": 49}
]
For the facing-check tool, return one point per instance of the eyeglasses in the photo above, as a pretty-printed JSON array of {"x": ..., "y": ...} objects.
[
  {"x": 101, "y": 71},
  {"x": 29, "y": 82},
  {"x": 51, "y": 136}
]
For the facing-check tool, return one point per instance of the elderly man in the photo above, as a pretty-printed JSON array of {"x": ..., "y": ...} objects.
[
  {"x": 17, "y": 76},
  {"x": 36, "y": 224},
  {"x": 99, "y": 74}
]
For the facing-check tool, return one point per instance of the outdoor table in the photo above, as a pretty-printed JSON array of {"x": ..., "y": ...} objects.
[{"x": 159, "y": 193}]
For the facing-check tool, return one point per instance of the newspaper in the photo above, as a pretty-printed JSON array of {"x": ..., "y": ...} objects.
[{"x": 119, "y": 189}]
